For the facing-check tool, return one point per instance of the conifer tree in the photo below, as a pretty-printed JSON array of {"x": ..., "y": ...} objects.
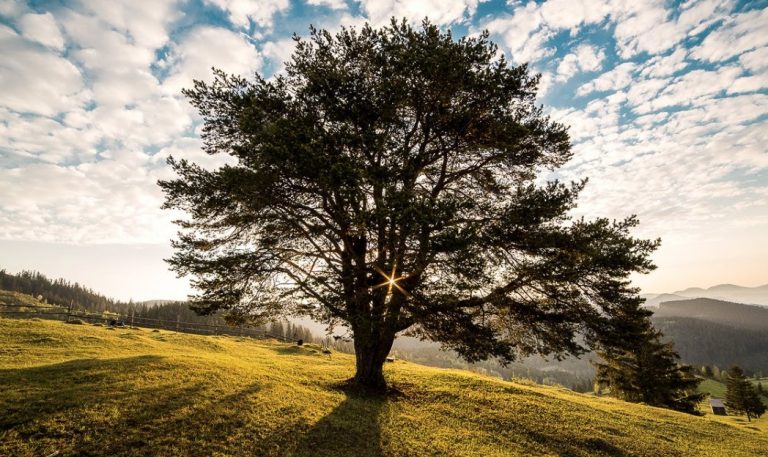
[
  {"x": 637, "y": 366},
  {"x": 741, "y": 397}
]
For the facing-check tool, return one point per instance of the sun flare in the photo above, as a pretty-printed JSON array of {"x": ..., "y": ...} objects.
[{"x": 391, "y": 280}]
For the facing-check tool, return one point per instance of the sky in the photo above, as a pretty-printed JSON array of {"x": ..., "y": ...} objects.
[{"x": 667, "y": 103}]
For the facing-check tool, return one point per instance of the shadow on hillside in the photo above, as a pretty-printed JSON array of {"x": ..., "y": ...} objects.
[
  {"x": 31, "y": 392},
  {"x": 95, "y": 404},
  {"x": 296, "y": 350},
  {"x": 352, "y": 428}
]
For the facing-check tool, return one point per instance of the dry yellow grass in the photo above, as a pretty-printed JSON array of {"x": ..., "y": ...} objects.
[{"x": 86, "y": 390}]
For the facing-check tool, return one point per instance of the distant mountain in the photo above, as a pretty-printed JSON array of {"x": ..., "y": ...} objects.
[
  {"x": 703, "y": 342},
  {"x": 722, "y": 312},
  {"x": 653, "y": 300},
  {"x": 729, "y": 292},
  {"x": 708, "y": 331}
]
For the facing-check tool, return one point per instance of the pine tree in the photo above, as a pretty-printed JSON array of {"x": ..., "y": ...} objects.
[
  {"x": 741, "y": 397},
  {"x": 754, "y": 404},
  {"x": 642, "y": 368}
]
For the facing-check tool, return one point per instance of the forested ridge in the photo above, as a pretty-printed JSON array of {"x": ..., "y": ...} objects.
[
  {"x": 58, "y": 291},
  {"x": 62, "y": 292}
]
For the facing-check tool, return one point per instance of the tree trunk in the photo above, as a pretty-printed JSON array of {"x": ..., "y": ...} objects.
[{"x": 370, "y": 354}]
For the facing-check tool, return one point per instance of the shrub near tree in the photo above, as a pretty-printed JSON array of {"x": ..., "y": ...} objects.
[
  {"x": 388, "y": 181},
  {"x": 741, "y": 397}
]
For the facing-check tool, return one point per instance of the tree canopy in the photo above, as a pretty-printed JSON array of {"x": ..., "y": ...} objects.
[{"x": 391, "y": 180}]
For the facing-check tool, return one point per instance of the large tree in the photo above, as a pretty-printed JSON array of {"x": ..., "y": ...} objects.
[{"x": 391, "y": 180}]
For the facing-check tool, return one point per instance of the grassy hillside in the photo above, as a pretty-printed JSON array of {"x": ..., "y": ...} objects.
[
  {"x": 15, "y": 299},
  {"x": 86, "y": 390}
]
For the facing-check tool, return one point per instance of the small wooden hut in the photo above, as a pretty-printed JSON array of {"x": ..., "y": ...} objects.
[{"x": 718, "y": 408}]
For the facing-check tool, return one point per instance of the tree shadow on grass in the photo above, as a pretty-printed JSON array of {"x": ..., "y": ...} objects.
[
  {"x": 34, "y": 391},
  {"x": 86, "y": 406},
  {"x": 296, "y": 350},
  {"x": 352, "y": 428}
]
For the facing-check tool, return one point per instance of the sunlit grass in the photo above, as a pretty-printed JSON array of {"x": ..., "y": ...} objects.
[{"x": 86, "y": 390}]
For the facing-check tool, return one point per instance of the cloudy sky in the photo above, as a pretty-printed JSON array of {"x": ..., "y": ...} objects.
[{"x": 667, "y": 102}]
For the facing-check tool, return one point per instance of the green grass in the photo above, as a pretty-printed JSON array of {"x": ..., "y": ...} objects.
[
  {"x": 714, "y": 388},
  {"x": 87, "y": 390}
]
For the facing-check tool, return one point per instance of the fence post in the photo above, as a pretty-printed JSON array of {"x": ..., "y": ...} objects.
[{"x": 69, "y": 309}]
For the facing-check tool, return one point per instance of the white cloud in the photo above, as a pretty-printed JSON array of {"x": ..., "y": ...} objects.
[
  {"x": 45, "y": 139},
  {"x": 146, "y": 26},
  {"x": 43, "y": 29},
  {"x": 668, "y": 65},
  {"x": 677, "y": 173},
  {"x": 749, "y": 84},
  {"x": 755, "y": 61},
  {"x": 689, "y": 88},
  {"x": 439, "y": 11},
  {"x": 644, "y": 27},
  {"x": 739, "y": 33},
  {"x": 279, "y": 52},
  {"x": 114, "y": 200},
  {"x": 522, "y": 34},
  {"x": 333, "y": 4},
  {"x": 639, "y": 26},
  {"x": 569, "y": 14},
  {"x": 699, "y": 14},
  {"x": 33, "y": 80},
  {"x": 205, "y": 47},
  {"x": 101, "y": 48},
  {"x": 545, "y": 83},
  {"x": 649, "y": 26},
  {"x": 12, "y": 8},
  {"x": 118, "y": 67},
  {"x": 261, "y": 12},
  {"x": 641, "y": 91},
  {"x": 584, "y": 58},
  {"x": 617, "y": 78}
]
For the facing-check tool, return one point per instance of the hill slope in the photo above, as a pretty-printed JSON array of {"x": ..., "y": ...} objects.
[
  {"x": 85, "y": 390},
  {"x": 750, "y": 317}
]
